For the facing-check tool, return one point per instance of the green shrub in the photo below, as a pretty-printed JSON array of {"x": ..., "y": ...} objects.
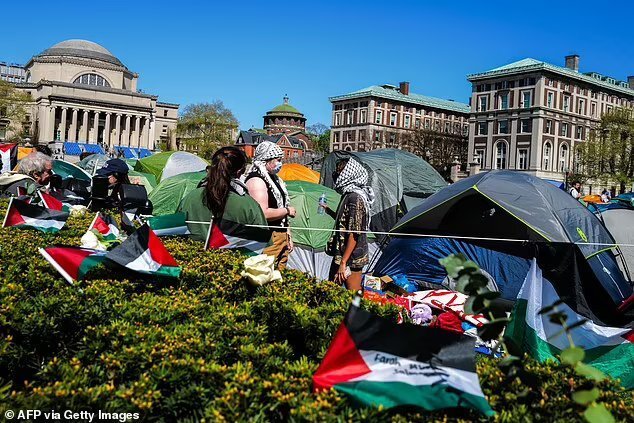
[{"x": 206, "y": 347}]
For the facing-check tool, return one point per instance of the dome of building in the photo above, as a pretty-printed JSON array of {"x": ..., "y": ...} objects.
[
  {"x": 284, "y": 108},
  {"x": 81, "y": 48}
]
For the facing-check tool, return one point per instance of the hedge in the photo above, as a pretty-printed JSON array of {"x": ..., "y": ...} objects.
[{"x": 206, "y": 347}]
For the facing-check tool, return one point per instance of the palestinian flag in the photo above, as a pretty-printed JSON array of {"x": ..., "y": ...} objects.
[
  {"x": 144, "y": 252},
  {"x": 23, "y": 215},
  {"x": 72, "y": 262},
  {"x": 8, "y": 157},
  {"x": 232, "y": 235},
  {"x": 126, "y": 223},
  {"x": 50, "y": 202},
  {"x": 381, "y": 363},
  {"x": 22, "y": 191},
  {"x": 608, "y": 349},
  {"x": 169, "y": 224},
  {"x": 105, "y": 225}
]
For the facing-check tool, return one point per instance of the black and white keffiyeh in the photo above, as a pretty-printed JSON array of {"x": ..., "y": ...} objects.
[
  {"x": 354, "y": 178},
  {"x": 265, "y": 151}
]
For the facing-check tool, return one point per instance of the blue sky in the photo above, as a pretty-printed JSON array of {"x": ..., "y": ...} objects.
[{"x": 249, "y": 54}]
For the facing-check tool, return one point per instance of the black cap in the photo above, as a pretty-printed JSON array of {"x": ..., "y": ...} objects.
[{"x": 113, "y": 166}]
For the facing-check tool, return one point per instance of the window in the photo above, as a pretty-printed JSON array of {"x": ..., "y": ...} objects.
[
  {"x": 566, "y": 103},
  {"x": 3, "y": 133},
  {"x": 478, "y": 157},
  {"x": 361, "y": 135},
  {"x": 427, "y": 124},
  {"x": 349, "y": 116},
  {"x": 379, "y": 104},
  {"x": 91, "y": 79},
  {"x": 526, "y": 99},
  {"x": 579, "y": 132},
  {"x": 504, "y": 101},
  {"x": 546, "y": 157},
  {"x": 417, "y": 125},
  {"x": 550, "y": 99},
  {"x": 563, "y": 157},
  {"x": 447, "y": 127},
  {"x": 500, "y": 155},
  {"x": 483, "y": 128},
  {"x": 593, "y": 110},
  {"x": 392, "y": 119},
  {"x": 564, "y": 130},
  {"x": 392, "y": 139},
  {"x": 379, "y": 117},
  {"x": 582, "y": 107},
  {"x": 364, "y": 116},
  {"x": 549, "y": 126},
  {"x": 522, "y": 159},
  {"x": 526, "y": 125},
  {"x": 503, "y": 127},
  {"x": 337, "y": 119},
  {"x": 336, "y": 137},
  {"x": 164, "y": 113},
  {"x": 408, "y": 121},
  {"x": 377, "y": 136},
  {"x": 482, "y": 103}
]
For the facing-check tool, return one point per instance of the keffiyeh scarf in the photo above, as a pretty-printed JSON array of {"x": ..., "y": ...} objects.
[
  {"x": 265, "y": 151},
  {"x": 354, "y": 178}
]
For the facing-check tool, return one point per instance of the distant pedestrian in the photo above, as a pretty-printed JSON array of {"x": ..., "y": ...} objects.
[
  {"x": 605, "y": 196},
  {"x": 575, "y": 191}
]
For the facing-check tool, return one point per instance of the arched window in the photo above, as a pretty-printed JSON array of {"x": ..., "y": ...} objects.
[
  {"x": 564, "y": 155},
  {"x": 546, "y": 156},
  {"x": 500, "y": 155},
  {"x": 91, "y": 79}
]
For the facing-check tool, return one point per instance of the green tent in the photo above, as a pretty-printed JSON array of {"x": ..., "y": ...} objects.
[
  {"x": 146, "y": 179},
  {"x": 170, "y": 163},
  {"x": 68, "y": 170},
  {"x": 167, "y": 195}
]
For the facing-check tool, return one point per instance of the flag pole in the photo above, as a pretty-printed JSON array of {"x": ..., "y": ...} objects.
[
  {"x": 57, "y": 267},
  {"x": 6, "y": 215}
]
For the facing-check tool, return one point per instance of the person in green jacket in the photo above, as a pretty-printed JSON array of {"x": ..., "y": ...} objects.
[{"x": 223, "y": 197}]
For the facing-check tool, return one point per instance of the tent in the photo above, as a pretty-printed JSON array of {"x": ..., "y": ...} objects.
[
  {"x": 618, "y": 218},
  {"x": 167, "y": 195},
  {"x": 573, "y": 248},
  {"x": 297, "y": 172},
  {"x": 146, "y": 179},
  {"x": 24, "y": 151},
  {"x": 171, "y": 163},
  {"x": 94, "y": 162},
  {"x": 68, "y": 170},
  {"x": 400, "y": 181}
]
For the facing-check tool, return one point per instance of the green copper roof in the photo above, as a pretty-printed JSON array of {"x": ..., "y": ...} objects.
[
  {"x": 391, "y": 92},
  {"x": 285, "y": 108},
  {"x": 531, "y": 65}
]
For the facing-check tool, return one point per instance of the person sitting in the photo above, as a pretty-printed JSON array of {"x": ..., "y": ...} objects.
[
  {"x": 269, "y": 190},
  {"x": 221, "y": 195},
  {"x": 33, "y": 173},
  {"x": 117, "y": 172},
  {"x": 605, "y": 196},
  {"x": 349, "y": 244},
  {"x": 575, "y": 191}
]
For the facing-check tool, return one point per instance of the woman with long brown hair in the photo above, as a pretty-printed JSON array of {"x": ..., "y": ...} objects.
[{"x": 221, "y": 196}]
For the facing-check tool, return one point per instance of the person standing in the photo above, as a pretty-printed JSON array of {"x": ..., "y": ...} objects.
[
  {"x": 575, "y": 191},
  {"x": 349, "y": 243},
  {"x": 270, "y": 192}
]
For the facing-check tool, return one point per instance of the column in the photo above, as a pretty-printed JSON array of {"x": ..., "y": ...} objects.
[
  {"x": 51, "y": 124},
  {"x": 146, "y": 132},
  {"x": 83, "y": 134},
  {"x": 72, "y": 133},
  {"x": 117, "y": 130},
  {"x": 137, "y": 131},
  {"x": 106, "y": 131},
  {"x": 126, "y": 141},
  {"x": 62, "y": 126},
  {"x": 95, "y": 129}
]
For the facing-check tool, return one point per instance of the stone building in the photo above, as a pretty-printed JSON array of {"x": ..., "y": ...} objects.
[
  {"x": 530, "y": 115},
  {"x": 83, "y": 94},
  {"x": 377, "y": 116}
]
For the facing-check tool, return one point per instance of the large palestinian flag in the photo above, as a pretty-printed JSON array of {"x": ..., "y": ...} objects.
[
  {"x": 232, "y": 235},
  {"x": 8, "y": 157},
  {"x": 144, "y": 252},
  {"x": 608, "y": 349},
  {"x": 23, "y": 215},
  {"x": 50, "y": 202},
  {"x": 169, "y": 224},
  {"x": 105, "y": 225},
  {"x": 72, "y": 262},
  {"x": 381, "y": 363}
]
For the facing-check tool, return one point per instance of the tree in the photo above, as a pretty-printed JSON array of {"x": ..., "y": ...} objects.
[
  {"x": 13, "y": 110},
  {"x": 439, "y": 149},
  {"x": 608, "y": 155},
  {"x": 320, "y": 135},
  {"x": 206, "y": 127}
]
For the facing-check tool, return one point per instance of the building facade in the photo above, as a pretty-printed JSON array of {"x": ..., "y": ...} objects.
[
  {"x": 530, "y": 115},
  {"x": 82, "y": 93},
  {"x": 378, "y": 116},
  {"x": 12, "y": 72},
  {"x": 293, "y": 147}
]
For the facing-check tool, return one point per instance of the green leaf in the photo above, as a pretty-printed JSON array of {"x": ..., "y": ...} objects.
[
  {"x": 453, "y": 264},
  {"x": 492, "y": 330},
  {"x": 589, "y": 372},
  {"x": 576, "y": 324},
  {"x": 558, "y": 317},
  {"x": 572, "y": 355},
  {"x": 597, "y": 413},
  {"x": 585, "y": 397},
  {"x": 551, "y": 307}
]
